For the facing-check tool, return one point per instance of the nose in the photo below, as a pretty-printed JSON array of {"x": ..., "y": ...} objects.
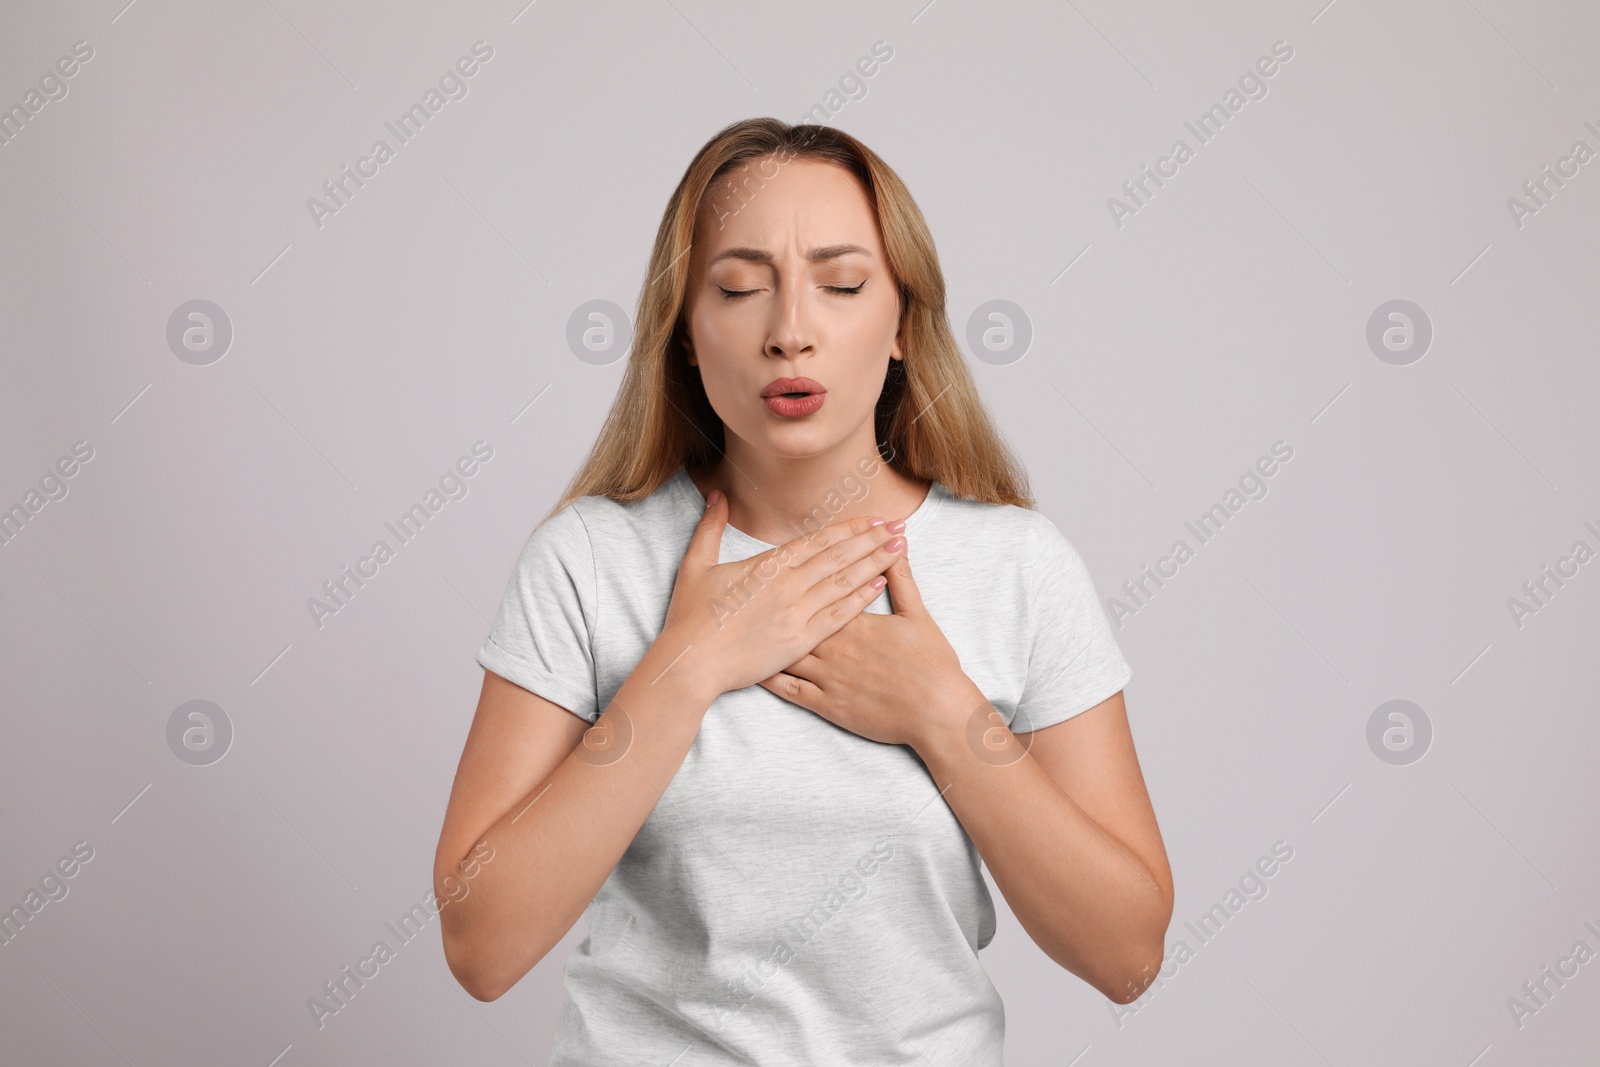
[{"x": 791, "y": 333}]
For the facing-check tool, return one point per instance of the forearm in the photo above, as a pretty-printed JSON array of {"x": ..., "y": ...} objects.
[
  {"x": 555, "y": 847},
  {"x": 1083, "y": 898}
]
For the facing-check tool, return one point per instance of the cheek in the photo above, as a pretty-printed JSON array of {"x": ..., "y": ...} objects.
[
  {"x": 717, "y": 346},
  {"x": 717, "y": 333},
  {"x": 868, "y": 341},
  {"x": 717, "y": 336}
]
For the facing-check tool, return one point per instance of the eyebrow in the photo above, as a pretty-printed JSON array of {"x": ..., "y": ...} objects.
[{"x": 757, "y": 255}]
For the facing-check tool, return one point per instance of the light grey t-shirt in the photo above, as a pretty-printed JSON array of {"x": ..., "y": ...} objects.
[{"x": 800, "y": 894}]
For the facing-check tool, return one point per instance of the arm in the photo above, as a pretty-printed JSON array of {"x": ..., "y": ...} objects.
[
  {"x": 1062, "y": 819},
  {"x": 557, "y": 814}
]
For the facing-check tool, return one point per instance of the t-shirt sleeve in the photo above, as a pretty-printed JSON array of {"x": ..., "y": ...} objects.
[
  {"x": 540, "y": 638},
  {"x": 1073, "y": 659}
]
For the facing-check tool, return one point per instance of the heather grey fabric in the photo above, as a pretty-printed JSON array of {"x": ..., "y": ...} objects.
[{"x": 800, "y": 894}]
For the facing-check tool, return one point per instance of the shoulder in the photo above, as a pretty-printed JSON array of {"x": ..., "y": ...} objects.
[
  {"x": 1020, "y": 541},
  {"x": 598, "y": 526},
  {"x": 1008, "y": 526}
]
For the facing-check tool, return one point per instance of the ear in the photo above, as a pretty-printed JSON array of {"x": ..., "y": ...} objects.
[{"x": 897, "y": 352}]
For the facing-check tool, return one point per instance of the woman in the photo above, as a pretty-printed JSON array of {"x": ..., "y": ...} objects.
[{"x": 720, "y": 715}]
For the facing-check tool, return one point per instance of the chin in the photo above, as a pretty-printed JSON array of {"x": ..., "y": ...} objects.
[{"x": 793, "y": 442}]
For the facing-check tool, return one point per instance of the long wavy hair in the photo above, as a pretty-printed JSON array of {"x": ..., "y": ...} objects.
[{"x": 930, "y": 421}]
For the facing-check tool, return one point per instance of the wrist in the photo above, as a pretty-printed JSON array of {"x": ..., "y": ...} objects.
[
  {"x": 955, "y": 722},
  {"x": 673, "y": 662}
]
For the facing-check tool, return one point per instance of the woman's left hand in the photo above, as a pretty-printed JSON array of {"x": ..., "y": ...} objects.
[{"x": 889, "y": 678}]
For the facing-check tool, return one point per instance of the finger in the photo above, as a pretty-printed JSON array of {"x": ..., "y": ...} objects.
[
  {"x": 795, "y": 690},
  {"x": 832, "y": 617},
  {"x": 706, "y": 545},
  {"x": 904, "y": 596},
  {"x": 808, "y": 667},
  {"x": 879, "y": 555},
  {"x": 807, "y": 547},
  {"x": 792, "y": 554}
]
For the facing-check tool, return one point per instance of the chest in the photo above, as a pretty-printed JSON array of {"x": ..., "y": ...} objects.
[
  {"x": 776, "y": 811},
  {"x": 973, "y": 597}
]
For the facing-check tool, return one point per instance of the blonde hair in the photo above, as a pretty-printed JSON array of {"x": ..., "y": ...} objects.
[{"x": 930, "y": 422}]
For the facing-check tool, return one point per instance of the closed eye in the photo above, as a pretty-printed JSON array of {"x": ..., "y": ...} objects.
[{"x": 847, "y": 290}]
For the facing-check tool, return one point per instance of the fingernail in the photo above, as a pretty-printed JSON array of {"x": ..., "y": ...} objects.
[
  {"x": 897, "y": 525},
  {"x": 874, "y": 522},
  {"x": 711, "y": 500},
  {"x": 895, "y": 544}
]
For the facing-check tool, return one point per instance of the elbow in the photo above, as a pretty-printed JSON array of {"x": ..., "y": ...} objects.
[
  {"x": 1130, "y": 972},
  {"x": 487, "y": 950},
  {"x": 1127, "y": 979},
  {"x": 479, "y": 991},
  {"x": 472, "y": 963},
  {"x": 471, "y": 973},
  {"x": 484, "y": 971},
  {"x": 484, "y": 993}
]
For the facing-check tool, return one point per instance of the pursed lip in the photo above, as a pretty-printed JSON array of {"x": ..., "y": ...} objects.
[{"x": 780, "y": 386}]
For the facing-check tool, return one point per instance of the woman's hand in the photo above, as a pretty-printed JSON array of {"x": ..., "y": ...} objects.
[
  {"x": 889, "y": 678},
  {"x": 736, "y": 623}
]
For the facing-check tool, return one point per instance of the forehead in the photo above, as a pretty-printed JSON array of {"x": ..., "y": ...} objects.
[{"x": 801, "y": 204}]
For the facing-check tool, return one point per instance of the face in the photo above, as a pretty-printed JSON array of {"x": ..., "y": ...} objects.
[{"x": 789, "y": 280}]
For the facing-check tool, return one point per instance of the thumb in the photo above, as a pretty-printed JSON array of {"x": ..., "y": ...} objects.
[
  {"x": 706, "y": 544},
  {"x": 904, "y": 596}
]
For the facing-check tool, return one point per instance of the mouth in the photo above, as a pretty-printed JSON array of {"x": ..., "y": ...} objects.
[
  {"x": 792, "y": 387},
  {"x": 793, "y": 397}
]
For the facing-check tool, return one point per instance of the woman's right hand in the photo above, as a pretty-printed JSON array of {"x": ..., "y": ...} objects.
[{"x": 742, "y": 622}]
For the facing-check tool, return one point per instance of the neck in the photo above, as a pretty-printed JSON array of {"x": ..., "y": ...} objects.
[{"x": 778, "y": 498}]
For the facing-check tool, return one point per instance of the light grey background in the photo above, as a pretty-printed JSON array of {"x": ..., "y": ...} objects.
[{"x": 369, "y": 354}]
